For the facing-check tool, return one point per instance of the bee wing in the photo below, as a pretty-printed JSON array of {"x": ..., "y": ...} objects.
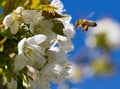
[{"x": 90, "y": 15}]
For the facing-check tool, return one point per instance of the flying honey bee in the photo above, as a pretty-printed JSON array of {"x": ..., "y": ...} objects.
[{"x": 84, "y": 24}]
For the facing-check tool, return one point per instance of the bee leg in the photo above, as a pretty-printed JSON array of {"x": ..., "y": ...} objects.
[{"x": 85, "y": 28}]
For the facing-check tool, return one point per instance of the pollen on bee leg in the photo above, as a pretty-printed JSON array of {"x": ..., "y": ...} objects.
[{"x": 85, "y": 28}]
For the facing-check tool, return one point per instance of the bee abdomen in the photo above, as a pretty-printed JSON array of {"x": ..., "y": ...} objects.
[{"x": 92, "y": 24}]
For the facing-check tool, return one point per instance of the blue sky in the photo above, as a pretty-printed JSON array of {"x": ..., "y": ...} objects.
[{"x": 100, "y": 8}]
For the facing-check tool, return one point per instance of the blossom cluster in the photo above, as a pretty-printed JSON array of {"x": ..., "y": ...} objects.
[
  {"x": 105, "y": 35},
  {"x": 42, "y": 41}
]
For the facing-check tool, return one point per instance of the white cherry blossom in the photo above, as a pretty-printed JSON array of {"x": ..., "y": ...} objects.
[
  {"x": 29, "y": 52},
  {"x": 13, "y": 20},
  {"x": 107, "y": 27},
  {"x": 68, "y": 27}
]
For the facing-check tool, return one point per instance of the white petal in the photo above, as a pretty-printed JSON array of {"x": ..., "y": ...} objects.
[
  {"x": 20, "y": 62},
  {"x": 29, "y": 15},
  {"x": 65, "y": 44},
  {"x": 69, "y": 31},
  {"x": 57, "y": 55},
  {"x": 32, "y": 84},
  {"x": 34, "y": 54},
  {"x": 19, "y": 10},
  {"x": 31, "y": 27},
  {"x": 38, "y": 61},
  {"x": 21, "y": 45},
  {"x": 58, "y": 74},
  {"x": 37, "y": 39},
  {"x": 14, "y": 27},
  {"x": 12, "y": 84},
  {"x": 58, "y": 68},
  {"x": 43, "y": 83},
  {"x": 8, "y": 21},
  {"x": 58, "y": 4}
]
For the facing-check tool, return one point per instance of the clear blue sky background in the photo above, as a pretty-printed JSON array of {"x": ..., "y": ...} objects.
[{"x": 101, "y": 8}]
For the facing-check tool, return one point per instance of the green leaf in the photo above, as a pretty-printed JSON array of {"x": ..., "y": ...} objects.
[
  {"x": 58, "y": 27},
  {"x": 1, "y": 71},
  {"x": 45, "y": 1},
  {"x": 1, "y": 44},
  {"x": 36, "y": 4},
  {"x": 46, "y": 7},
  {"x": 10, "y": 5},
  {"x": 2, "y": 2}
]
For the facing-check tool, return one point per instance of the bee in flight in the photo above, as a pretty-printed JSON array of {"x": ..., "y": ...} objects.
[{"x": 84, "y": 24}]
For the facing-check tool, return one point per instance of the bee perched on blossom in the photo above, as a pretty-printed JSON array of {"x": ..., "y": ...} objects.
[{"x": 84, "y": 24}]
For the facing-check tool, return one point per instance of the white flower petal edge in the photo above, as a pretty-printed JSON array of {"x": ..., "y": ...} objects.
[
  {"x": 37, "y": 39},
  {"x": 21, "y": 45},
  {"x": 19, "y": 10},
  {"x": 58, "y": 4},
  {"x": 7, "y": 21}
]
